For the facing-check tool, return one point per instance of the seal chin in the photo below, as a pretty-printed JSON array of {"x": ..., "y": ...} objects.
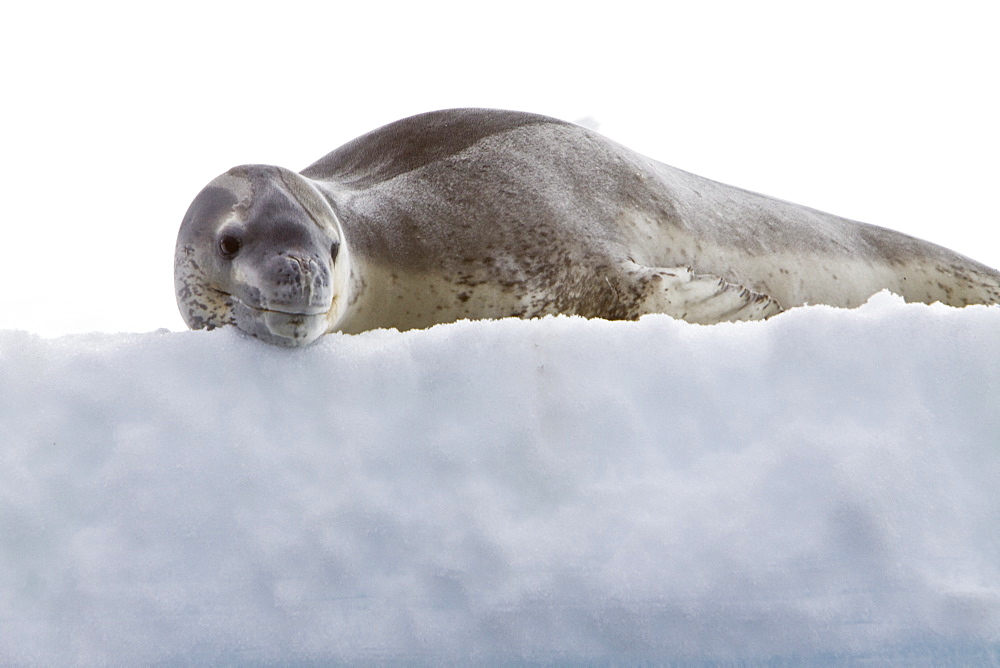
[{"x": 283, "y": 329}]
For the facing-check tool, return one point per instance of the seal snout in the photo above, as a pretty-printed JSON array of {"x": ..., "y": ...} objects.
[
  {"x": 300, "y": 279},
  {"x": 288, "y": 296}
]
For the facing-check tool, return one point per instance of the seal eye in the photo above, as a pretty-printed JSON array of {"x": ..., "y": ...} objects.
[
  {"x": 334, "y": 249},
  {"x": 229, "y": 246}
]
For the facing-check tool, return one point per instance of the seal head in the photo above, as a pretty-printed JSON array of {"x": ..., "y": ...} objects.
[{"x": 261, "y": 249}]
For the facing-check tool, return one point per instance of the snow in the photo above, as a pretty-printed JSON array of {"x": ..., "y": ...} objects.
[{"x": 818, "y": 488}]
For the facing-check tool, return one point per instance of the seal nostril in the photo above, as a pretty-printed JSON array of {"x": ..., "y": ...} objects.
[
  {"x": 334, "y": 249},
  {"x": 229, "y": 246}
]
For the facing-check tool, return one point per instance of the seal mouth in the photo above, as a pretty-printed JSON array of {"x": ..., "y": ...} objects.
[
  {"x": 284, "y": 328},
  {"x": 308, "y": 312},
  {"x": 236, "y": 301}
]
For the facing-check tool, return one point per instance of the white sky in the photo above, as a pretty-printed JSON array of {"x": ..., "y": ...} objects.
[{"x": 115, "y": 115}]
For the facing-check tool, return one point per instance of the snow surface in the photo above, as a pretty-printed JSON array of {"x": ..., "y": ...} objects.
[{"x": 822, "y": 487}]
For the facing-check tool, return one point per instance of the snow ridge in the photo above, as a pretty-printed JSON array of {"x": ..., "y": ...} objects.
[{"x": 821, "y": 488}]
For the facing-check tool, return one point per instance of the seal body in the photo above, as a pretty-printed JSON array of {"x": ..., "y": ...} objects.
[{"x": 474, "y": 213}]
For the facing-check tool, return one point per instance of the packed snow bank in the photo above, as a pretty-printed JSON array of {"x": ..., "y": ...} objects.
[{"x": 820, "y": 487}]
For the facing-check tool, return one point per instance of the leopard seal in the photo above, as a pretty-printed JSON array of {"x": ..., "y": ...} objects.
[{"x": 478, "y": 213}]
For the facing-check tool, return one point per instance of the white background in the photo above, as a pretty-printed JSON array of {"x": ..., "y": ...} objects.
[{"x": 115, "y": 115}]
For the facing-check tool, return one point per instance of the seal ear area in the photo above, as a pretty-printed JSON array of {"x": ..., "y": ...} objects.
[
  {"x": 309, "y": 196},
  {"x": 209, "y": 206}
]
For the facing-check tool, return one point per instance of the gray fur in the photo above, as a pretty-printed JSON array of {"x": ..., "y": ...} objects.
[{"x": 476, "y": 213}]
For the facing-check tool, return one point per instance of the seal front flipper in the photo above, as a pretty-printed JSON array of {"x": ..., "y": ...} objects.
[{"x": 700, "y": 298}]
